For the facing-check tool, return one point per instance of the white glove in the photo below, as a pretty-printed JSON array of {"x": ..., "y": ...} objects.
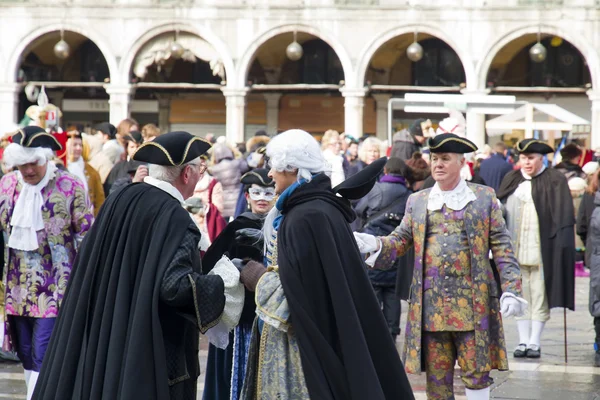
[
  {"x": 366, "y": 243},
  {"x": 512, "y": 305}
]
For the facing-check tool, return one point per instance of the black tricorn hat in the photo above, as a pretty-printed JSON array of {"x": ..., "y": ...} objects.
[
  {"x": 533, "y": 146},
  {"x": 450, "y": 143},
  {"x": 172, "y": 149},
  {"x": 258, "y": 176},
  {"x": 34, "y": 136},
  {"x": 361, "y": 183},
  {"x": 135, "y": 136}
]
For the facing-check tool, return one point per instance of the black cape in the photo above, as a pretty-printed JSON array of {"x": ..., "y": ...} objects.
[
  {"x": 217, "y": 381},
  {"x": 122, "y": 169},
  {"x": 345, "y": 347},
  {"x": 556, "y": 214},
  {"x": 112, "y": 330}
]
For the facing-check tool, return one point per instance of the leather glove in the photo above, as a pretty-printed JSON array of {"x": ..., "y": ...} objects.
[
  {"x": 510, "y": 306},
  {"x": 366, "y": 243}
]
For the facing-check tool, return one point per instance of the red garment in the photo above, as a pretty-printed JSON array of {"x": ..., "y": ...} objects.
[
  {"x": 215, "y": 223},
  {"x": 61, "y": 137},
  {"x": 586, "y": 157}
]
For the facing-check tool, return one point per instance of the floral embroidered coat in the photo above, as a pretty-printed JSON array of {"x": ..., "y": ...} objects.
[
  {"x": 35, "y": 281},
  {"x": 486, "y": 230}
]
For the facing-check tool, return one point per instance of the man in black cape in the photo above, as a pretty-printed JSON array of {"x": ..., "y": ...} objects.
[
  {"x": 241, "y": 239},
  {"x": 540, "y": 217},
  {"x": 335, "y": 323},
  {"x": 136, "y": 302}
]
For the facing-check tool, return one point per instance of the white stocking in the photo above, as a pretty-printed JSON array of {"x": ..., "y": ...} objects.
[
  {"x": 524, "y": 326},
  {"x": 32, "y": 381},
  {"x": 27, "y": 375},
  {"x": 482, "y": 394},
  {"x": 536, "y": 332}
]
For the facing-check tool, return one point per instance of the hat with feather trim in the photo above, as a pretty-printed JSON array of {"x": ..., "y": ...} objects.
[
  {"x": 34, "y": 136},
  {"x": 450, "y": 143},
  {"x": 172, "y": 149},
  {"x": 258, "y": 176},
  {"x": 533, "y": 146}
]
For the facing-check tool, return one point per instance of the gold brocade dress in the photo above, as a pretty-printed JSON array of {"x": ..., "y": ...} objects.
[{"x": 274, "y": 370}]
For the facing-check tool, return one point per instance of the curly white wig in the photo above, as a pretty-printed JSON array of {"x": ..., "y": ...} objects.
[
  {"x": 16, "y": 155},
  {"x": 294, "y": 150}
]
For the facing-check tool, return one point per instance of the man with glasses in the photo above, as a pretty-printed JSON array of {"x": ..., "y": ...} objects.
[
  {"x": 241, "y": 239},
  {"x": 137, "y": 300}
]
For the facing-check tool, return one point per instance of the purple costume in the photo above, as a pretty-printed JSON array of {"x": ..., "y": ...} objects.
[{"x": 35, "y": 281}]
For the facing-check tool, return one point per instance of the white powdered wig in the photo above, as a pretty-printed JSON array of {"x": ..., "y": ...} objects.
[
  {"x": 16, "y": 155},
  {"x": 294, "y": 150}
]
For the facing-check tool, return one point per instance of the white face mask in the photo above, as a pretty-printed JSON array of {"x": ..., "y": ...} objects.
[{"x": 263, "y": 193}]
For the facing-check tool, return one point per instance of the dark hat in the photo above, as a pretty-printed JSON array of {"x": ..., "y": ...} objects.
[
  {"x": 415, "y": 129},
  {"x": 107, "y": 129},
  {"x": 74, "y": 134},
  {"x": 258, "y": 176},
  {"x": 361, "y": 183},
  {"x": 136, "y": 136},
  {"x": 34, "y": 136},
  {"x": 172, "y": 149},
  {"x": 450, "y": 143},
  {"x": 570, "y": 151},
  {"x": 533, "y": 146}
]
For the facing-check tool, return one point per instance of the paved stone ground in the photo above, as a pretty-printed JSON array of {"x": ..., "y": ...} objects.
[{"x": 546, "y": 379}]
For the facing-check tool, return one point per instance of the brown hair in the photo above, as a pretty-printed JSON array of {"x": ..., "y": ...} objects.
[
  {"x": 125, "y": 126},
  {"x": 150, "y": 131},
  {"x": 419, "y": 169}
]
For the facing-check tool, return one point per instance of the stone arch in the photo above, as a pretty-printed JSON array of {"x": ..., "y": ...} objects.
[
  {"x": 369, "y": 51},
  {"x": 14, "y": 60},
  {"x": 202, "y": 32},
  {"x": 249, "y": 55},
  {"x": 584, "y": 47}
]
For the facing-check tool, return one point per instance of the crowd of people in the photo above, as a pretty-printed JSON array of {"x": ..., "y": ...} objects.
[{"x": 292, "y": 249}]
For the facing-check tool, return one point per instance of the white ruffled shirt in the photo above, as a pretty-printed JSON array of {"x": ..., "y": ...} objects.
[{"x": 455, "y": 199}]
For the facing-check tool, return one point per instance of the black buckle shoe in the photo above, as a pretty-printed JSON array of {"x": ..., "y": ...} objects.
[
  {"x": 534, "y": 351},
  {"x": 520, "y": 351}
]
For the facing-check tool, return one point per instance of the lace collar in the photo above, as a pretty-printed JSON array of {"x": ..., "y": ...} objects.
[
  {"x": 455, "y": 199},
  {"x": 164, "y": 186}
]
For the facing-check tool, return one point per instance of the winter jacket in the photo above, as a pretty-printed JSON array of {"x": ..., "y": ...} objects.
[
  {"x": 493, "y": 169},
  {"x": 380, "y": 197},
  {"x": 584, "y": 215},
  {"x": 228, "y": 173},
  {"x": 594, "y": 241},
  {"x": 571, "y": 170},
  {"x": 404, "y": 145}
]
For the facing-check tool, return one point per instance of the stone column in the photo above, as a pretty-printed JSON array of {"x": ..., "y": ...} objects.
[
  {"x": 164, "y": 109},
  {"x": 9, "y": 104},
  {"x": 272, "y": 112},
  {"x": 235, "y": 102},
  {"x": 595, "y": 120},
  {"x": 381, "y": 104},
  {"x": 354, "y": 100},
  {"x": 119, "y": 102},
  {"x": 475, "y": 122}
]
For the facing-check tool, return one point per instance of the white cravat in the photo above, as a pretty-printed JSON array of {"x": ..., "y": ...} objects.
[
  {"x": 27, "y": 217},
  {"x": 164, "y": 186},
  {"x": 77, "y": 168},
  {"x": 455, "y": 199}
]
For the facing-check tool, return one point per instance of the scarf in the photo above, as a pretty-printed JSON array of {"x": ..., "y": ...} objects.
[
  {"x": 77, "y": 168},
  {"x": 283, "y": 198},
  {"x": 27, "y": 217},
  {"x": 393, "y": 179}
]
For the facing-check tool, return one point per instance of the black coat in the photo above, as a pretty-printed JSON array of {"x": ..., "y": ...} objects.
[
  {"x": 129, "y": 324},
  {"x": 554, "y": 207},
  {"x": 345, "y": 348},
  {"x": 584, "y": 215}
]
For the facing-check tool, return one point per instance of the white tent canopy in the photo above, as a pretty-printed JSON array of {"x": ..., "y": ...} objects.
[{"x": 537, "y": 117}]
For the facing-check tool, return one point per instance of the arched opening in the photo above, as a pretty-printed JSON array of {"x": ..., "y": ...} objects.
[
  {"x": 391, "y": 73},
  {"x": 75, "y": 75},
  {"x": 302, "y": 93},
  {"x": 177, "y": 78},
  {"x": 561, "y": 78}
]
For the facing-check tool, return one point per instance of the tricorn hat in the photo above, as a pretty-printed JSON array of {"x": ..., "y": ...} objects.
[
  {"x": 450, "y": 143},
  {"x": 258, "y": 176},
  {"x": 172, "y": 149},
  {"x": 135, "y": 136},
  {"x": 34, "y": 136},
  {"x": 533, "y": 146},
  {"x": 361, "y": 183}
]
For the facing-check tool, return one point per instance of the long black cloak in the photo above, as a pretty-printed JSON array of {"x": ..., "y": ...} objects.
[
  {"x": 345, "y": 347},
  {"x": 114, "y": 325},
  {"x": 554, "y": 207}
]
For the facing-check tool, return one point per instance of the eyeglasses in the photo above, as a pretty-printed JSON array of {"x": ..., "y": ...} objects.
[
  {"x": 201, "y": 166},
  {"x": 257, "y": 194}
]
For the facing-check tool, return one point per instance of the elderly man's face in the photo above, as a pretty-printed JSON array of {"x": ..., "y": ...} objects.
[
  {"x": 32, "y": 173},
  {"x": 445, "y": 168},
  {"x": 531, "y": 164}
]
